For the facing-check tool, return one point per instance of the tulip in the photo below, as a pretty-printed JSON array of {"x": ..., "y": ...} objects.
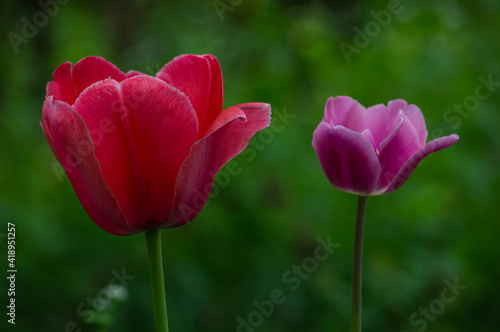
[
  {"x": 372, "y": 151},
  {"x": 141, "y": 152}
]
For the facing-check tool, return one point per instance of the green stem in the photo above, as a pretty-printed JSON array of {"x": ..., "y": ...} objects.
[
  {"x": 357, "y": 259},
  {"x": 153, "y": 241}
]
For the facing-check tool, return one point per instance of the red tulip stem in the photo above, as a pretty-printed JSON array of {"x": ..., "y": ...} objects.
[
  {"x": 153, "y": 241},
  {"x": 357, "y": 260}
]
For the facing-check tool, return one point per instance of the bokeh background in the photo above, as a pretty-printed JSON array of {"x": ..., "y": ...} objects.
[{"x": 441, "y": 225}]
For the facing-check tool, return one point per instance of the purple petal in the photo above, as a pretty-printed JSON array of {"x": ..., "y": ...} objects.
[
  {"x": 414, "y": 115},
  {"x": 347, "y": 158},
  {"x": 345, "y": 111},
  {"x": 396, "y": 150},
  {"x": 405, "y": 171},
  {"x": 381, "y": 122}
]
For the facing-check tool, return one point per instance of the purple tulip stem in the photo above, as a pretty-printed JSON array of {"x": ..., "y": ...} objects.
[
  {"x": 153, "y": 240},
  {"x": 357, "y": 260}
]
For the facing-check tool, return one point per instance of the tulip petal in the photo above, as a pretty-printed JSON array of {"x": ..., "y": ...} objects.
[
  {"x": 395, "y": 151},
  {"x": 410, "y": 165},
  {"x": 414, "y": 115},
  {"x": 226, "y": 138},
  {"x": 345, "y": 111},
  {"x": 368, "y": 134},
  {"x": 389, "y": 138},
  {"x": 381, "y": 122},
  {"x": 142, "y": 129},
  {"x": 348, "y": 158},
  {"x": 164, "y": 127},
  {"x": 200, "y": 78},
  {"x": 132, "y": 73},
  {"x": 69, "y": 81},
  {"x": 70, "y": 141},
  {"x": 62, "y": 87}
]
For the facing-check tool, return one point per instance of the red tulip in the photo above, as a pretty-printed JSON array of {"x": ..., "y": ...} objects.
[
  {"x": 141, "y": 152},
  {"x": 372, "y": 151}
]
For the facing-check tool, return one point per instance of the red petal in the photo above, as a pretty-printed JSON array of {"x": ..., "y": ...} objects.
[
  {"x": 132, "y": 73},
  {"x": 69, "y": 139},
  {"x": 149, "y": 129},
  {"x": 200, "y": 78},
  {"x": 62, "y": 88},
  {"x": 226, "y": 138},
  {"x": 70, "y": 81}
]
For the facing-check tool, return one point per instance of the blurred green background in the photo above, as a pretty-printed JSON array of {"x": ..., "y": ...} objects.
[{"x": 441, "y": 225}]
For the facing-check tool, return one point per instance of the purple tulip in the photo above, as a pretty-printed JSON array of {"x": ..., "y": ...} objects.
[{"x": 372, "y": 151}]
